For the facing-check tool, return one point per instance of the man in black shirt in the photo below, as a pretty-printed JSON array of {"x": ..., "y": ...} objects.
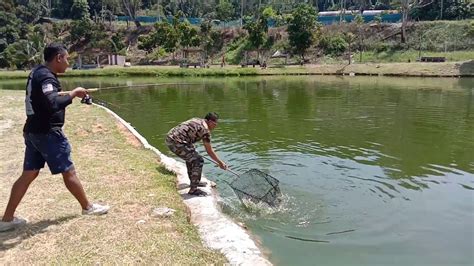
[{"x": 45, "y": 105}]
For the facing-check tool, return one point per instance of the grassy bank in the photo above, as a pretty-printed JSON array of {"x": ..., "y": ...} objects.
[
  {"x": 447, "y": 69},
  {"x": 115, "y": 169},
  {"x": 403, "y": 56}
]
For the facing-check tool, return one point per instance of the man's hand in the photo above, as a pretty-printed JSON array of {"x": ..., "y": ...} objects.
[
  {"x": 78, "y": 92},
  {"x": 222, "y": 165},
  {"x": 213, "y": 155}
]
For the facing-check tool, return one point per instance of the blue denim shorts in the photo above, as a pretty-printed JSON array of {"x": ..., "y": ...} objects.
[{"x": 52, "y": 148}]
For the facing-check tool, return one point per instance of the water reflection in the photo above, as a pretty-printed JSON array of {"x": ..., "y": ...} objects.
[
  {"x": 405, "y": 127},
  {"x": 349, "y": 153}
]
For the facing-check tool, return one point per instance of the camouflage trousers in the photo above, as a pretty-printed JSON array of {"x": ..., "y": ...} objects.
[{"x": 194, "y": 161}]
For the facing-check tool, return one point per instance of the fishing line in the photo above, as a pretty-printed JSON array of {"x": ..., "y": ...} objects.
[
  {"x": 106, "y": 103},
  {"x": 139, "y": 85}
]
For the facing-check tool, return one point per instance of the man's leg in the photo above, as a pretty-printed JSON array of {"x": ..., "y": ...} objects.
[
  {"x": 194, "y": 162},
  {"x": 196, "y": 171},
  {"x": 75, "y": 187},
  {"x": 189, "y": 167},
  {"x": 18, "y": 191}
]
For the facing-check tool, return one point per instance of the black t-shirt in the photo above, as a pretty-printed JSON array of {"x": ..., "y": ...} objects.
[{"x": 45, "y": 109}]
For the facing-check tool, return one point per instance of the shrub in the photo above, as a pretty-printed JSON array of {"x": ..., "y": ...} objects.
[
  {"x": 381, "y": 47},
  {"x": 334, "y": 45}
]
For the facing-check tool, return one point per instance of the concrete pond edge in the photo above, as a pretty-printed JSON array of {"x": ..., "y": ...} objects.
[{"x": 217, "y": 231}]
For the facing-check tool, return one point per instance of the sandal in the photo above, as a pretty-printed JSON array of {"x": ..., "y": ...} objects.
[{"x": 197, "y": 192}]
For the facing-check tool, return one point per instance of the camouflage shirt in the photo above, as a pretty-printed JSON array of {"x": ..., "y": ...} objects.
[{"x": 190, "y": 131}]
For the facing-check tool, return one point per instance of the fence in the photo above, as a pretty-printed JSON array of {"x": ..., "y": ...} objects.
[{"x": 325, "y": 20}]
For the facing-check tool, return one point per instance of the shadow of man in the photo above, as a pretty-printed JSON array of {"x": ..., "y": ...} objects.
[{"x": 12, "y": 238}]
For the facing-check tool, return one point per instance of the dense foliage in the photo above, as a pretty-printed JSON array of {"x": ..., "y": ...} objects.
[{"x": 87, "y": 25}]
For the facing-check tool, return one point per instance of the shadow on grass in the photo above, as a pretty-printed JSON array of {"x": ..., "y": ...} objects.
[
  {"x": 12, "y": 238},
  {"x": 162, "y": 170},
  {"x": 170, "y": 177}
]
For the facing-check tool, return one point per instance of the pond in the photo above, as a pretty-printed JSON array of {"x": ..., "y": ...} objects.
[{"x": 374, "y": 170}]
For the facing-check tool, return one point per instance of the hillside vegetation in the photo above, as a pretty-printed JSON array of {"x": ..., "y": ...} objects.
[{"x": 89, "y": 29}]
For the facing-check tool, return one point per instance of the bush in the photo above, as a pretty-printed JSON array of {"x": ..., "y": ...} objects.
[
  {"x": 83, "y": 28},
  {"x": 156, "y": 54},
  {"x": 235, "y": 53},
  {"x": 381, "y": 47},
  {"x": 436, "y": 35},
  {"x": 334, "y": 45}
]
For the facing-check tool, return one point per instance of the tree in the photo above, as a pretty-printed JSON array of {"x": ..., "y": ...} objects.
[
  {"x": 211, "y": 40},
  {"x": 445, "y": 9},
  {"x": 61, "y": 9},
  {"x": 81, "y": 30},
  {"x": 406, "y": 6},
  {"x": 7, "y": 6},
  {"x": 79, "y": 9},
  {"x": 224, "y": 10},
  {"x": 301, "y": 25},
  {"x": 257, "y": 35},
  {"x": 349, "y": 37},
  {"x": 258, "y": 30},
  {"x": 115, "y": 6},
  {"x": 147, "y": 43},
  {"x": 30, "y": 12},
  {"x": 272, "y": 16},
  {"x": 167, "y": 37},
  {"x": 188, "y": 35},
  {"x": 164, "y": 35},
  {"x": 359, "y": 21},
  {"x": 131, "y": 8},
  {"x": 117, "y": 43},
  {"x": 24, "y": 53},
  {"x": 9, "y": 29}
]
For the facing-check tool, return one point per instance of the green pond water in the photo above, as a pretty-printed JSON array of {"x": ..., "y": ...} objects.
[{"x": 373, "y": 170}]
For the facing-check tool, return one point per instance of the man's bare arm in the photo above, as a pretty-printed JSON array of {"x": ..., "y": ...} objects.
[{"x": 213, "y": 155}]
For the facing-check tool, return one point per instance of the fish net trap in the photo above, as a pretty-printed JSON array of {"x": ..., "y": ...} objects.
[{"x": 257, "y": 186}]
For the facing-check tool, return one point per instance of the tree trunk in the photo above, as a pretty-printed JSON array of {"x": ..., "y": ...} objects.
[
  {"x": 131, "y": 13},
  {"x": 441, "y": 10},
  {"x": 405, "y": 10},
  {"x": 361, "y": 44},
  {"x": 241, "y": 13},
  {"x": 350, "y": 54}
]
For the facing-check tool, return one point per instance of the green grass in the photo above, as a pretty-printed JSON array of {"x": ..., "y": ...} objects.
[
  {"x": 10, "y": 74},
  {"x": 112, "y": 168},
  {"x": 327, "y": 65},
  {"x": 152, "y": 71},
  {"x": 412, "y": 56}
]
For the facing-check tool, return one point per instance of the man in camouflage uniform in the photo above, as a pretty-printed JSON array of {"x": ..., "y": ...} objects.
[{"x": 180, "y": 140}]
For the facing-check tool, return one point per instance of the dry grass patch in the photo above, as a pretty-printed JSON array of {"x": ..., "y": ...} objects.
[{"x": 113, "y": 169}]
